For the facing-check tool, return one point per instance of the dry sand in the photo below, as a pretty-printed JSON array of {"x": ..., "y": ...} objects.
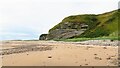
[{"x": 51, "y": 53}]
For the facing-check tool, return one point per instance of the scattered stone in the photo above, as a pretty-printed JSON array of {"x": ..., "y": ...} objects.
[
  {"x": 22, "y": 49},
  {"x": 49, "y": 56},
  {"x": 108, "y": 58},
  {"x": 98, "y": 58},
  {"x": 100, "y": 42},
  {"x": 113, "y": 56},
  {"x": 86, "y": 64},
  {"x": 95, "y": 54},
  {"x": 104, "y": 47},
  {"x": 119, "y": 58},
  {"x": 111, "y": 40},
  {"x": 114, "y": 61}
]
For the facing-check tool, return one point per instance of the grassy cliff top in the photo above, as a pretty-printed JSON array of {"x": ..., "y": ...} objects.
[{"x": 105, "y": 24}]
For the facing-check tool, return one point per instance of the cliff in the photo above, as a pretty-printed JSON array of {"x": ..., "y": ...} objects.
[{"x": 88, "y": 25}]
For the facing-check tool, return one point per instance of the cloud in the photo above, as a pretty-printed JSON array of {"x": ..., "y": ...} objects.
[{"x": 34, "y": 17}]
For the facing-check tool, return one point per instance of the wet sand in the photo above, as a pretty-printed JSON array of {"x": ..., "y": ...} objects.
[{"x": 52, "y": 53}]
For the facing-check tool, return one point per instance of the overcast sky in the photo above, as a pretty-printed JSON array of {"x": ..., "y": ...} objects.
[{"x": 27, "y": 19}]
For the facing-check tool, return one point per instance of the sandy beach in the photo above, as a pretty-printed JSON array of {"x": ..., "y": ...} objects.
[{"x": 52, "y": 53}]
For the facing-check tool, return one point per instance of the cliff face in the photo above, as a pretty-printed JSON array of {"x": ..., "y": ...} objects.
[
  {"x": 86, "y": 26},
  {"x": 63, "y": 33},
  {"x": 72, "y": 26}
]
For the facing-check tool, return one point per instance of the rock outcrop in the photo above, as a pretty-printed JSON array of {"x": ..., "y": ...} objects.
[
  {"x": 87, "y": 25},
  {"x": 43, "y": 37},
  {"x": 64, "y": 33}
]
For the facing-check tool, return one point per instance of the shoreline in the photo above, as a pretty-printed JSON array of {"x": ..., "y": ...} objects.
[{"x": 54, "y": 53}]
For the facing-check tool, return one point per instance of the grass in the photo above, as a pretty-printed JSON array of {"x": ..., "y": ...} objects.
[{"x": 85, "y": 39}]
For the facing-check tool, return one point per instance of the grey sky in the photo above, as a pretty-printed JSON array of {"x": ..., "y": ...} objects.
[{"x": 27, "y": 19}]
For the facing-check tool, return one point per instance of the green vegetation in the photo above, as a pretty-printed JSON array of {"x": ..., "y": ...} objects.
[
  {"x": 84, "y": 39},
  {"x": 102, "y": 26},
  {"x": 108, "y": 24},
  {"x": 90, "y": 20}
]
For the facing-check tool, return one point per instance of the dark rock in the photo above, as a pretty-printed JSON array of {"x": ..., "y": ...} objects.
[
  {"x": 43, "y": 37},
  {"x": 95, "y": 54},
  {"x": 86, "y": 64},
  {"x": 64, "y": 33},
  {"x": 67, "y": 30},
  {"x": 98, "y": 58},
  {"x": 49, "y": 56},
  {"x": 104, "y": 47},
  {"x": 108, "y": 58}
]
